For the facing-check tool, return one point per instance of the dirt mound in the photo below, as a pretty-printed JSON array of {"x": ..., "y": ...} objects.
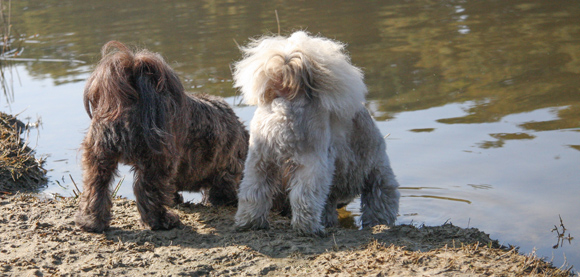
[
  {"x": 38, "y": 237},
  {"x": 19, "y": 169}
]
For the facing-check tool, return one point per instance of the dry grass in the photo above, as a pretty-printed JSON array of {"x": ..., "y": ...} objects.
[
  {"x": 19, "y": 169},
  {"x": 379, "y": 259}
]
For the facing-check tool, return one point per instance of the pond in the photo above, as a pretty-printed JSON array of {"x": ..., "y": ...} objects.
[{"x": 481, "y": 98}]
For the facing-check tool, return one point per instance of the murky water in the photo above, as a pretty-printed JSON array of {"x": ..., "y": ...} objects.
[{"x": 481, "y": 98}]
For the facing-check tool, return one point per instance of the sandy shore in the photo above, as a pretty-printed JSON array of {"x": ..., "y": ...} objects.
[{"x": 38, "y": 238}]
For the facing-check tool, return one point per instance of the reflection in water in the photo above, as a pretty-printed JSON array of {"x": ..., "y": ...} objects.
[
  {"x": 472, "y": 92},
  {"x": 422, "y": 130},
  {"x": 440, "y": 198},
  {"x": 418, "y": 188},
  {"x": 577, "y": 147},
  {"x": 508, "y": 57},
  {"x": 502, "y": 137},
  {"x": 562, "y": 235},
  {"x": 415, "y": 55},
  {"x": 346, "y": 219},
  {"x": 403, "y": 189},
  {"x": 538, "y": 67},
  {"x": 482, "y": 186}
]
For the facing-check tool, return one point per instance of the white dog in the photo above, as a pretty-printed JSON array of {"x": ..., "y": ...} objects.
[{"x": 312, "y": 141}]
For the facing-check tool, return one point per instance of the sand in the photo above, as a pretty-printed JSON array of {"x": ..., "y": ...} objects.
[{"x": 38, "y": 238}]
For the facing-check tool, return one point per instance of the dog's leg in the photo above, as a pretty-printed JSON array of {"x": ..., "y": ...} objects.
[
  {"x": 380, "y": 197},
  {"x": 153, "y": 192},
  {"x": 330, "y": 214},
  {"x": 257, "y": 190},
  {"x": 309, "y": 188},
  {"x": 223, "y": 191},
  {"x": 99, "y": 165},
  {"x": 177, "y": 198}
]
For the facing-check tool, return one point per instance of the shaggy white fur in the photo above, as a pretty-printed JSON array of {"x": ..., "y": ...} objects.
[{"x": 312, "y": 142}]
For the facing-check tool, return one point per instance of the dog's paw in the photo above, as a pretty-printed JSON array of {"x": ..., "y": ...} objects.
[
  {"x": 252, "y": 225},
  {"x": 169, "y": 221},
  {"x": 177, "y": 199},
  {"x": 329, "y": 220},
  {"x": 368, "y": 220},
  {"x": 88, "y": 223},
  {"x": 312, "y": 230},
  {"x": 319, "y": 233}
]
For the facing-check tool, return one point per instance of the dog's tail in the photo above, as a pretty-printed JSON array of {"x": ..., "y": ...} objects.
[
  {"x": 140, "y": 87},
  {"x": 300, "y": 65}
]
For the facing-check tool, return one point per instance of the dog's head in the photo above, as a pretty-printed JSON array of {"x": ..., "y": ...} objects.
[{"x": 300, "y": 66}]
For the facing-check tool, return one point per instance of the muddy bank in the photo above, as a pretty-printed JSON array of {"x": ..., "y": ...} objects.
[
  {"x": 20, "y": 171},
  {"x": 38, "y": 238}
]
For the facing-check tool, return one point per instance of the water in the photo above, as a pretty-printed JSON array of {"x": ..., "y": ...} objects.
[{"x": 481, "y": 98}]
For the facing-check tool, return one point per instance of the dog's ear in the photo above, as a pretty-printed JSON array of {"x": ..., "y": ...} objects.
[
  {"x": 152, "y": 66},
  {"x": 109, "y": 88}
]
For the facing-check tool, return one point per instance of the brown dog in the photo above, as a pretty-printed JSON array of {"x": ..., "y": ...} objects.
[{"x": 142, "y": 117}]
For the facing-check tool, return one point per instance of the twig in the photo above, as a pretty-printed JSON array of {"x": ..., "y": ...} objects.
[
  {"x": 237, "y": 44},
  {"x": 561, "y": 236},
  {"x": 556, "y": 229},
  {"x": 277, "y": 21},
  {"x": 562, "y": 224},
  {"x": 58, "y": 183},
  {"x": 118, "y": 187},
  {"x": 75, "y": 184}
]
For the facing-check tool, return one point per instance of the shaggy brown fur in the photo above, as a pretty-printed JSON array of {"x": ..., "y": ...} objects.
[{"x": 142, "y": 117}]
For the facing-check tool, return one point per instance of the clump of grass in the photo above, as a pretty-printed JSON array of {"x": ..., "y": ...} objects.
[{"x": 20, "y": 171}]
